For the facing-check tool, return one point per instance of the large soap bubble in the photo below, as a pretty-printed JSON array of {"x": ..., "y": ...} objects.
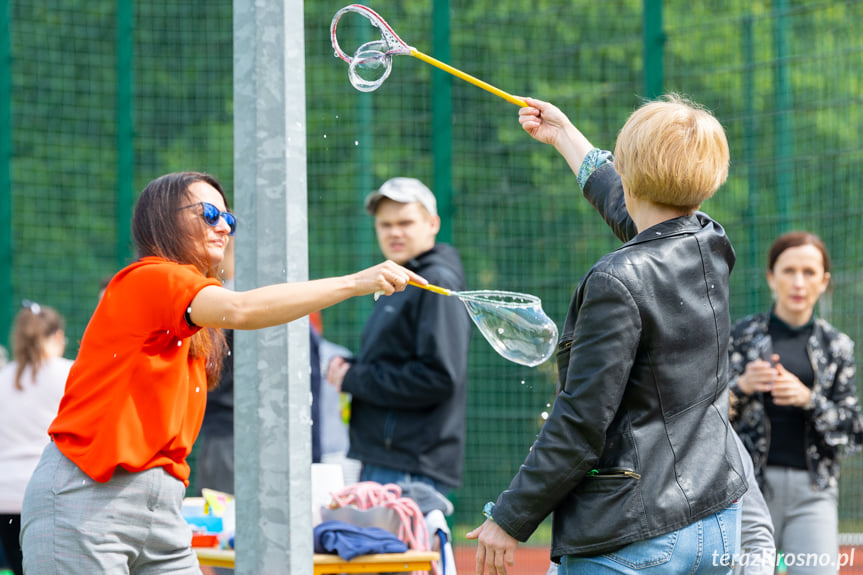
[{"x": 513, "y": 323}]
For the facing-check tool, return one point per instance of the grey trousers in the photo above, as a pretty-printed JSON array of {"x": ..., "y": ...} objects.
[
  {"x": 73, "y": 525},
  {"x": 805, "y": 521}
]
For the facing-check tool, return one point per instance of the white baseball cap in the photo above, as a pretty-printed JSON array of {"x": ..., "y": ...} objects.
[{"x": 404, "y": 191}]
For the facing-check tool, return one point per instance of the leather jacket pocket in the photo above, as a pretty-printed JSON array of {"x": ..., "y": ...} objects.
[
  {"x": 613, "y": 473},
  {"x": 608, "y": 500}
]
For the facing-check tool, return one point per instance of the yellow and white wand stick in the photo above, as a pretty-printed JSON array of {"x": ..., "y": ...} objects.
[{"x": 467, "y": 78}]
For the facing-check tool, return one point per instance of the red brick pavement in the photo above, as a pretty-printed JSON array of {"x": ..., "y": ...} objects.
[{"x": 532, "y": 560}]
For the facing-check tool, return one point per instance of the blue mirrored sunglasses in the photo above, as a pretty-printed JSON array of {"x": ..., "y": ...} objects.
[{"x": 211, "y": 215}]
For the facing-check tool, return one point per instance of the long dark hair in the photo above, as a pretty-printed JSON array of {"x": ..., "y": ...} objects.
[
  {"x": 159, "y": 231},
  {"x": 34, "y": 324}
]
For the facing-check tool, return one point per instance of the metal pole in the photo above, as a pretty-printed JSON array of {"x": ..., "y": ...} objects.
[{"x": 272, "y": 423}]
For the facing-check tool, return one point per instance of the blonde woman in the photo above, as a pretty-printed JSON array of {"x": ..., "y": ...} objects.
[
  {"x": 637, "y": 460},
  {"x": 31, "y": 387}
]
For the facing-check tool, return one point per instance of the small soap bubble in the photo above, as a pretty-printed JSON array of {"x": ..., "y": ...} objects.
[{"x": 370, "y": 66}]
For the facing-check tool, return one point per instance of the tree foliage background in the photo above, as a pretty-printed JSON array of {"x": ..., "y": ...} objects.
[{"x": 783, "y": 77}]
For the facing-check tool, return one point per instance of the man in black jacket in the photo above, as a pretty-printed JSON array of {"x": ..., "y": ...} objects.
[{"x": 408, "y": 384}]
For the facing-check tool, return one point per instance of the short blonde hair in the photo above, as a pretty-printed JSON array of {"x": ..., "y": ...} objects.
[{"x": 672, "y": 152}]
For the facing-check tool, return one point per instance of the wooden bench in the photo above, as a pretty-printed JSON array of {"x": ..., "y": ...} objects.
[{"x": 333, "y": 564}]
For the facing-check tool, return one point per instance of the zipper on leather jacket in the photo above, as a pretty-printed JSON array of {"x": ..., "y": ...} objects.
[{"x": 612, "y": 473}]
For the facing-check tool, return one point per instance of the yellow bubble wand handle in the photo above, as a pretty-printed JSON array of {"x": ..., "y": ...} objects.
[
  {"x": 468, "y": 78},
  {"x": 429, "y": 287},
  {"x": 432, "y": 288}
]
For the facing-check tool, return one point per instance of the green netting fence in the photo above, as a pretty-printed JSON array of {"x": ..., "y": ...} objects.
[{"x": 108, "y": 94}]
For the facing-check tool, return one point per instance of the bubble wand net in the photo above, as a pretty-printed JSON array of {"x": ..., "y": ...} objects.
[
  {"x": 372, "y": 63},
  {"x": 513, "y": 323}
]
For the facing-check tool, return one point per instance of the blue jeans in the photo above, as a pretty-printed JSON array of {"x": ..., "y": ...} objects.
[
  {"x": 384, "y": 475},
  {"x": 706, "y": 546}
]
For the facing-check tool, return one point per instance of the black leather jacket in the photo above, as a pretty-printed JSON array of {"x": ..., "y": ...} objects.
[
  {"x": 638, "y": 443},
  {"x": 409, "y": 382}
]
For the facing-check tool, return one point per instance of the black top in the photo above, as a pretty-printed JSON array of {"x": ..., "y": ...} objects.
[{"x": 787, "y": 422}]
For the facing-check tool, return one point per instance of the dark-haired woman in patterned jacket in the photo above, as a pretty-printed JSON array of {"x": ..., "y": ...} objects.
[{"x": 798, "y": 411}]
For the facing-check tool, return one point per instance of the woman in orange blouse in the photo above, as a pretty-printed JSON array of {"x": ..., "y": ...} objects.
[{"x": 107, "y": 494}]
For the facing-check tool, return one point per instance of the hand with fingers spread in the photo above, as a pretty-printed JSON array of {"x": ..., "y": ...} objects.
[{"x": 495, "y": 548}]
